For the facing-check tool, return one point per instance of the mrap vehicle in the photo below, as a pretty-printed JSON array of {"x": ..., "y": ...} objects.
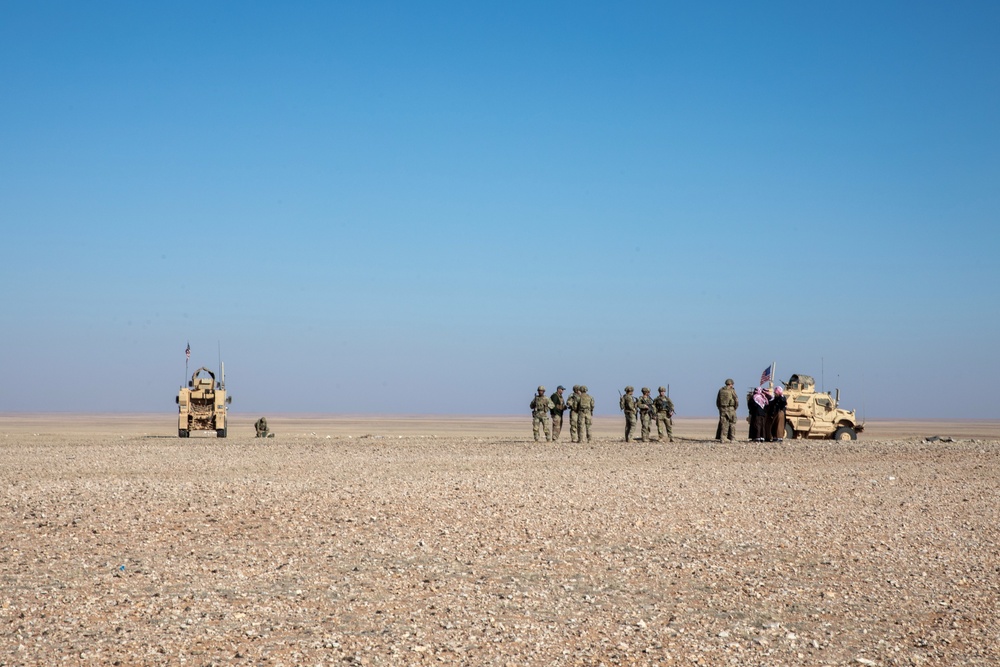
[
  {"x": 202, "y": 404},
  {"x": 813, "y": 414}
]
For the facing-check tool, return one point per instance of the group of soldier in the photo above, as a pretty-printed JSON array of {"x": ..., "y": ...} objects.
[
  {"x": 767, "y": 414},
  {"x": 546, "y": 409},
  {"x": 643, "y": 410},
  {"x": 551, "y": 408}
]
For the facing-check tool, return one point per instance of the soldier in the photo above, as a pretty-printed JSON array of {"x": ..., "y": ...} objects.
[
  {"x": 727, "y": 402},
  {"x": 573, "y": 403},
  {"x": 540, "y": 408},
  {"x": 261, "y": 427},
  {"x": 585, "y": 412},
  {"x": 664, "y": 415},
  {"x": 558, "y": 408},
  {"x": 628, "y": 404},
  {"x": 646, "y": 411}
]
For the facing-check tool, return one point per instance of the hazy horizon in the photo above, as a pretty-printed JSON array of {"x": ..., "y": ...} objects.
[{"x": 170, "y": 416}]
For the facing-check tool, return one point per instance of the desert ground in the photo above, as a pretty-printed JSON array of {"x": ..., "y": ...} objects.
[{"x": 433, "y": 540}]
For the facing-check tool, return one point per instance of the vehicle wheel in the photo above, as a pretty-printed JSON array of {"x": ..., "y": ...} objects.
[
  {"x": 789, "y": 432},
  {"x": 845, "y": 433},
  {"x": 221, "y": 433},
  {"x": 181, "y": 433}
]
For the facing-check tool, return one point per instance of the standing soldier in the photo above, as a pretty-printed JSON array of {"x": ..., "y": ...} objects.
[
  {"x": 646, "y": 411},
  {"x": 558, "y": 408},
  {"x": 727, "y": 402},
  {"x": 628, "y": 404},
  {"x": 540, "y": 408},
  {"x": 585, "y": 412},
  {"x": 664, "y": 413},
  {"x": 573, "y": 403}
]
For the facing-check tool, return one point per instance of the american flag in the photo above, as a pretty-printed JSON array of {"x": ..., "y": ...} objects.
[
  {"x": 187, "y": 352},
  {"x": 765, "y": 377}
]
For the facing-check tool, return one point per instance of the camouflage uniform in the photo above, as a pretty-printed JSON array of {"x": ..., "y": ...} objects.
[
  {"x": 261, "y": 427},
  {"x": 573, "y": 403},
  {"x": 646, "y": 411},
  {"x": 558, "y": 408},
  {"x": 727, "y": 402},
  {"x": 664, "y": 413},
  {"x": 629, "y": 404},
  {"x": 540, "y": 408},
  {"x": 585, "y": 412}
]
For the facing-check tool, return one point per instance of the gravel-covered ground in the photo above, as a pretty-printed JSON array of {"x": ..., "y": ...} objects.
[{"x": 140, "y": 548}]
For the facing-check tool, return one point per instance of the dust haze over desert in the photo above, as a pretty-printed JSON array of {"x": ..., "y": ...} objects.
[{"x": 392, "y": 222}]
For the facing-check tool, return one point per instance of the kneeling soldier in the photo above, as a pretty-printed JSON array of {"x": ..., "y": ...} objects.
[{"x": 261, "y": 426}]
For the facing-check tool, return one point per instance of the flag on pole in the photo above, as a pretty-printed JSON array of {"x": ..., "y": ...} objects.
[
  {"x": 765, "y": 377},
  {"x": 187, "y": 352}
]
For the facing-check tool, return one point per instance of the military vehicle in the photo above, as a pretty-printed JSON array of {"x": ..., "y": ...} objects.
[
  {"x": 813, "y": 414},
  {"x": 202, "y": 404}
]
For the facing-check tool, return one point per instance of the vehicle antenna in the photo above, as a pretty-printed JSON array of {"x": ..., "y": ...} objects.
[
  {"x": 822, "y": 376},
  {"x": 864, "y": 411}
]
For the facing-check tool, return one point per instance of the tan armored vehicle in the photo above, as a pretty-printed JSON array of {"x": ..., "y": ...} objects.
[
  {"x": 812, "y": 414},
  {"x": 202, "y": 404}
]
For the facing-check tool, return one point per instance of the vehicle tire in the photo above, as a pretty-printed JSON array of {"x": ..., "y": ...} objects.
[
  {"x": 181, "y": 433},
  {"x": 845, "y": 433},
  {"x": 221, "y": 433},
  {"x": 789, "y": 432}
]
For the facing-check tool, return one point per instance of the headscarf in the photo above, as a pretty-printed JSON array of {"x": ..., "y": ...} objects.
[{"x": 759, "y": 397}]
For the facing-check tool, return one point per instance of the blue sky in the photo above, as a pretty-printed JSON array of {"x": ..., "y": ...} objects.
[{"x": 433, "y": 207}]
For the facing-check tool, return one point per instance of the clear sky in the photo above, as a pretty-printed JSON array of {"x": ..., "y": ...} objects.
[{"x": 403, "y": 207}]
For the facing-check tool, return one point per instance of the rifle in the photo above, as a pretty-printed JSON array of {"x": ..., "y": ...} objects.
[{"x": 621, "y": 404}]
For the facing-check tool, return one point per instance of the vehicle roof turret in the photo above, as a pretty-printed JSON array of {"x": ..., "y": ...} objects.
[{"x": 801, "y": 383}]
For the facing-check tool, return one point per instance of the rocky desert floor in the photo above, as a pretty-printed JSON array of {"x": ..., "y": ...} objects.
[{"x": 419, "y": 541}]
